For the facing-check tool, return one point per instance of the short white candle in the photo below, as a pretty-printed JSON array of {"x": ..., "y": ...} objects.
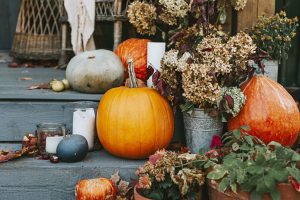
[
  {"x": 52, "y": 143},
  {"x": 84, "y": 124}
]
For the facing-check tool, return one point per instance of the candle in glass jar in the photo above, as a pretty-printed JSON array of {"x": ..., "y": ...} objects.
[{"x": 52, "y": 143}]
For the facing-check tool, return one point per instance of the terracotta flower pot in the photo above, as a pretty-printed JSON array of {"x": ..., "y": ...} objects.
[
  {"x": 287, "y": 192},
  {"x": 137, "y": 196}
]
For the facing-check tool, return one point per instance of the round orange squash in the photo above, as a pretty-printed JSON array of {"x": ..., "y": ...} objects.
[
  {"x": 270, "y": 112},
  {"x": 95, "y": 189},
  {"x": 135, "y": 49},
  {"x": 134, "y": 122}
]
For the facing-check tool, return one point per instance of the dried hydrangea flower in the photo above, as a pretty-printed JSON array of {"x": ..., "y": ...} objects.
[
  {"x": 144, "y": 182},
  {"x": 213, "y": 52},
  {"x": 238, "y": 4},
  {"x": 142, "y": 16},
  {"x": 173, "y": 10},
  {"x": 241, "y": 47},
  {"x": 232, "y": 100},
  {"x": 199, "y": 85}
]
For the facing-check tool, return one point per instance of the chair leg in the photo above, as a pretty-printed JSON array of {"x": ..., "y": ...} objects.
[
  {"x": 63, "y": 54},
  {"x": 117, "y": 33}
]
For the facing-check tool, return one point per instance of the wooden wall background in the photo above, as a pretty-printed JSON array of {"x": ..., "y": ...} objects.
[{"x": 8, "y": 19}]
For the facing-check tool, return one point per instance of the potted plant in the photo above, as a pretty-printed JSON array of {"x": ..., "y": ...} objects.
[
  {"x": 170, "y": 175},
  {"x": 246, "y": 168},
  {"x": 274, "y": 36},
  {"x": 205, "y": 81},
  {"x": 203, "y": 67}
]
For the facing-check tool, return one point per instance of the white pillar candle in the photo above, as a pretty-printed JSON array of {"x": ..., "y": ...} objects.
[
  {"x": 52, "y": 143},
  {"x": 84, "y": 124},
  {"x": 155, "y": 52}
]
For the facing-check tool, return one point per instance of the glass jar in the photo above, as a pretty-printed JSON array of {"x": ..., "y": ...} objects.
[{"x": 45, "y": 130}]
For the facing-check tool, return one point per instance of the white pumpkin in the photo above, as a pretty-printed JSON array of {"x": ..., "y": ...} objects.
[{"x": 95, "y": 71}]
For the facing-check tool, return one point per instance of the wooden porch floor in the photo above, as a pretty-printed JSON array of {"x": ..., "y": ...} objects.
[{"x": 21, "y": 109}]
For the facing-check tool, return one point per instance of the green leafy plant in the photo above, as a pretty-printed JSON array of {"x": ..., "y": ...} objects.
[
  {"x": 251, "y": 166},
  {"x": 171, "y": 175},
  {"x": 274, "y": 34}
]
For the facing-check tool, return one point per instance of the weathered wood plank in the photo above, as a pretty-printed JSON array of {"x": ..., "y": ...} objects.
[
  {"x": 32, "y": 179},
  {"x": 254, "y": 8},
  {"x": 22, "y": 117},
  {"x": 266, "y": 7},
  {"x": 246, "y": 18},
  {"x": 10, "y": 146},
  {"x": 13, "y": 88}
]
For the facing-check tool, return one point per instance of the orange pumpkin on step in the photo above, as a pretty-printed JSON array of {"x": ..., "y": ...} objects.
[
  {"x": 95, "y": 189},
  {"x": 134, "y": 122},
  {"x": 135, "y": 49},
  {"x": 270, "y": 112}
]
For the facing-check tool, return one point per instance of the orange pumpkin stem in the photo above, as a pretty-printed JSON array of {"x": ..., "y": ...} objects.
[{"x": 132, "y": 77}]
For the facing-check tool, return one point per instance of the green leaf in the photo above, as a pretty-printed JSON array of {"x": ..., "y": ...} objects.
[
  {"x": 275, "y": 194},
  {"x": 279, "y": 175},
  {"x": 261, "y": 186},
  {"x": 294, "y": 172},
  {"x": 166, "y": 184},
  {"x": 245, "y": 128},
  {"x": 245, "y": 147},
  {"x": 249, "y": 140},
  {"x": 209, "y": 164},
  {"x": 237, "y": 133},
  {"x": 233, "y": 187},
  {"x": 254, "y": 169},
  {"x": 216, "y": 174},
  {"x": 240, "y": 176},
  {"x": 223, "y": 185},
  {"x": 273, "y": 143},
  {"x": 269, "y": 182},
  {"x": 260, "y": 159},
  {"x": 187, "y": 107},
  {"x": 295, "y": 157},
  {"x": 156, "y": 195}
]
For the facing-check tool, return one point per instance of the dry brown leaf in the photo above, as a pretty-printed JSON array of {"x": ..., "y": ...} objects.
[
  {"x": 3, "y": 158},
  {"x": 39, "y": 86},
  {"x": 25, "y": 78}
]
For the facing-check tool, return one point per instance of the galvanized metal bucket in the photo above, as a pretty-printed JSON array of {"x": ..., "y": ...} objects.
[{"x": 199, "y": 129}]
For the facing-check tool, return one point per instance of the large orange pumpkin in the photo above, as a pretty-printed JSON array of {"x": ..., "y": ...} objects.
[
  {"x": 134, "y": 122},
  {"x": 135, "y": 49},
  {"x": 270, "y": 112},
  {"x": 95, "y": 189}
]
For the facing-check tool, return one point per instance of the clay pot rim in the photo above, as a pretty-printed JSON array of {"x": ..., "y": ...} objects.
[
  {"x": 213, "y": 184},
  {"x": 137, "y": 194}
]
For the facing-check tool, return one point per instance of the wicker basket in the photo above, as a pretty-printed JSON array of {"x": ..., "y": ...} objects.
[{"x": 37, "y": 34}]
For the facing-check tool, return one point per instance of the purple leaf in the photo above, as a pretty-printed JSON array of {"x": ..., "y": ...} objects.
[
  {"x": 150, "y": 71},
  {"x": 229, "y": 101},
  {"x": 155, "y": 77}
]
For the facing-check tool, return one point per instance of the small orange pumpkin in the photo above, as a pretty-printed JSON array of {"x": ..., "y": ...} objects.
[
  {"x": 135, "y": 49},
  {"x": 134, "y": 122},
  {"x": 270, "y": 111},
  {"x": 95, "y": 189}
]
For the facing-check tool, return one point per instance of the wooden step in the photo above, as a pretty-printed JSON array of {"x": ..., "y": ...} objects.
[
  {"x": 22, "y": 109},
  {"x": 33, "y": 179}
]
